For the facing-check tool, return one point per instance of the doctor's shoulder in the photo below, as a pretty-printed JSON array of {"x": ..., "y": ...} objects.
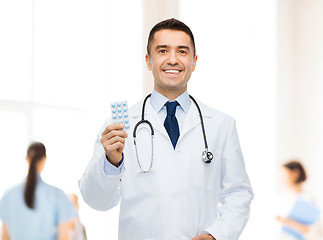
[
  {"x": 136, "y": 109},
  {"x": 216, "y": 116}
]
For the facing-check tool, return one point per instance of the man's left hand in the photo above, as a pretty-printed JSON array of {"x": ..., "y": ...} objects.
[{"x": 204, "y": 237}]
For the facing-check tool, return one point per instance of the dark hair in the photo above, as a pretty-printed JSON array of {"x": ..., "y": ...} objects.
[
  {"x": 171, "y": 24},
  {"x": 297, "y": 166},
  {"x": 36, "y": 152}
]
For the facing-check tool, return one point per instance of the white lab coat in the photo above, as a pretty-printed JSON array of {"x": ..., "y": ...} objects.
[{"x": 182, "y": 196}]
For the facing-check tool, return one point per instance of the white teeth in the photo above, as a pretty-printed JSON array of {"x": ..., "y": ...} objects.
[{"x": 172, "y": 71}]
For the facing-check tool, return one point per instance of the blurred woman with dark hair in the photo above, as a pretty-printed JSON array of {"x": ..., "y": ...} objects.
[
  {"x": 35, "y": 210},
  {"x": 296, "y": 202}
]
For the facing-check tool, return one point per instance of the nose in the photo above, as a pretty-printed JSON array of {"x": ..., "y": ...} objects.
[{"x": 172, "y": 58}]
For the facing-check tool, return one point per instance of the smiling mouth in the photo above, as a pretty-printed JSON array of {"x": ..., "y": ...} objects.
[{"x": 173, "y": 71}]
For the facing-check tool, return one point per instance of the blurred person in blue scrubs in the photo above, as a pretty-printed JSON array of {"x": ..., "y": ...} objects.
[
  {"x": 296, "y": 206},
  {"x": 35, "y": 210}
]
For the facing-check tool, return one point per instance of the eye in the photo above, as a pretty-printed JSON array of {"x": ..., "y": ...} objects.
[
  {"x": 162, "y": 51},
  {"x": 182, "y": 52}
]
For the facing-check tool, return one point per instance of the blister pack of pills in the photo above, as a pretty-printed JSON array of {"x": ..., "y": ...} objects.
[{"x": 120, "y": 114}]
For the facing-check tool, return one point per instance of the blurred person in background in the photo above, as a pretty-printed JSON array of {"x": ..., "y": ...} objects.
[
  {"x": 77, "y": 229},
  {"x": 35, "y": 210},
  {"x": 298, "y": 214}
]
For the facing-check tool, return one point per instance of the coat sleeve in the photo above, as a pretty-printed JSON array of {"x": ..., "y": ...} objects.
[
  {"x": 235, "y": 191},
  {"x": 100, "y": 191}
]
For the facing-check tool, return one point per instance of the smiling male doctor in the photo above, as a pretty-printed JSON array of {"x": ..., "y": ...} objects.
[{"x": 182, "y": 197}]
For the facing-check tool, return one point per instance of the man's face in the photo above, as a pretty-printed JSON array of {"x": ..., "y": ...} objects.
[{"x": 171, "y": 61}]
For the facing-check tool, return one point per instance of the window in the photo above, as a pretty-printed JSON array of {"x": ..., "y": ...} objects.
[{"x": 62, "y": 63}]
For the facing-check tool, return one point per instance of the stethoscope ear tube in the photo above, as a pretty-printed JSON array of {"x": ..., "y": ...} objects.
[
  {"x": 206, "y": 155},
  {"x": 143, "y": 119},
  {"x": 140, "y": 122},
  {"x": 152, "y": 137},
  {"x": 152, "y": 144}
]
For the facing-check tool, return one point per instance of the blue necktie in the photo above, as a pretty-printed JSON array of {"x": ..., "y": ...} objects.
[{"x": 171, "y": 123}]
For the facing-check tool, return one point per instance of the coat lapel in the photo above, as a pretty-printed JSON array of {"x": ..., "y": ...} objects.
[
  {"x": 193, "y": 118},
  {"x": 150, "y": 115}
]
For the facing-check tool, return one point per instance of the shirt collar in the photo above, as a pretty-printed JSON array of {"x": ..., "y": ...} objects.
[{"x": 158, "y": 101}]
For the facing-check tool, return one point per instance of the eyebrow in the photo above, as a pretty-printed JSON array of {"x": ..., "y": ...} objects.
[
  {"x": 166, "y": 46},
  {"x": 185, "y": 47}
]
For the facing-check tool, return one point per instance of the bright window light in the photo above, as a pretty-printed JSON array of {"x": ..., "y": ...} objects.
[
  {"x": 63, "y": 64},
  {"x": 15, "y": 49}
]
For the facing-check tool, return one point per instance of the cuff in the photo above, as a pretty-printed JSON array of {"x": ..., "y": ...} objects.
[{"x": 110, "y": 169}]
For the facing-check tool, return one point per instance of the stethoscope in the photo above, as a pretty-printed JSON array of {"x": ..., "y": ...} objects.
[{"x": 207, "y": 156}]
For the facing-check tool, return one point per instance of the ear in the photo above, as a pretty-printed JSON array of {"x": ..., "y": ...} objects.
[
  {"x": 148, "y": 62},
  {"x": 194, "y": 63}
]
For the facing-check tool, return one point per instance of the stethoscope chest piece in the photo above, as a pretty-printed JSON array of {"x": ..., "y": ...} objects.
[{"x": 207, "y": 156}]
